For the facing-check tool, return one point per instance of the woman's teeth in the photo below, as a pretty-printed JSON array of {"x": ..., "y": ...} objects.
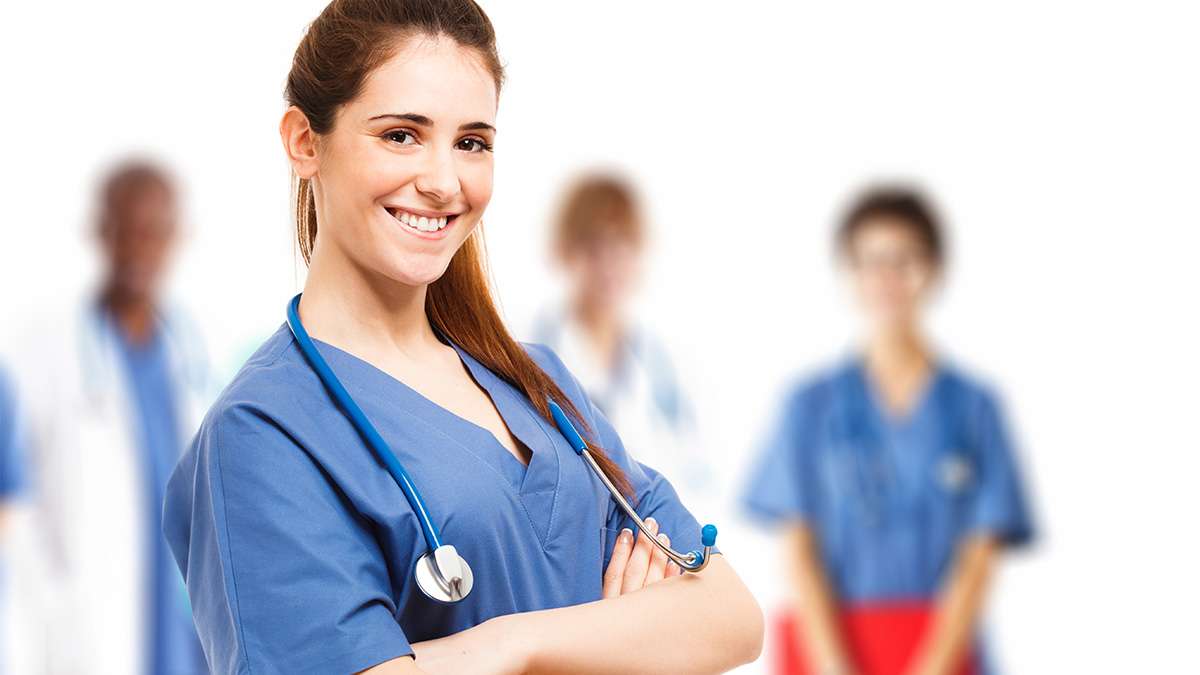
[{"x": 420, "y": 222}]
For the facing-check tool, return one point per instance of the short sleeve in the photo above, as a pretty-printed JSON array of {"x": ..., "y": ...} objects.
[
  {"x": 283, "y": 576},
  {"x": 12, "y": 464},
  {"x": 778, "y": 488},
  {"x": 1000, "y": 505}
]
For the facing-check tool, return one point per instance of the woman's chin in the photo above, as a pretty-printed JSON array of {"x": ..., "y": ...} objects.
[{"x": 414, "y": 273}]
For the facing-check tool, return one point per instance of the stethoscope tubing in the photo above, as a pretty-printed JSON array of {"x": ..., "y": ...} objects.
[
  {"x": 687, "y": 561},
  {"x": 693, "y": 561},
  {"x": 363, "y": 425}
]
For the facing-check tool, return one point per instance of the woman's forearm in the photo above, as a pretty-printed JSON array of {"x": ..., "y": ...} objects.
[
  {"x": 818, "y": 608},
  {"x": 958, "y": 608},
  {"x": 703, "y": 623}
]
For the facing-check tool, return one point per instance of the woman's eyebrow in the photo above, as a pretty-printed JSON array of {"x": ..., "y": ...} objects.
[
  {"x": 415, "y": 118},
  {"x": 424, "y": 121},
  {"x": 477, "y": 126}
]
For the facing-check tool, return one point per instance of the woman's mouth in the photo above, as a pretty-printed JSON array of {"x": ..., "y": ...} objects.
[{"x": 423, "y": 223}]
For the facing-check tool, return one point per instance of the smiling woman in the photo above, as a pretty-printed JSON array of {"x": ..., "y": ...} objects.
[{"x": 298, "y": 548}]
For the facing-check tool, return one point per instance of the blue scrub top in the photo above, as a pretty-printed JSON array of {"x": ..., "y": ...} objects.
[
  {"x": 171, "y": 645},
  {"x": 298, "y": 547},
  {"x": 12, "y": 470},
  {"x": 890, "y": 499},
  {"x": 12, "y": 465}
]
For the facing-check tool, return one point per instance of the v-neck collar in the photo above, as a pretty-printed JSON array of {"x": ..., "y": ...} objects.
[
  {"x": 522, "y": 421},
  {"x": 873, "y": 401},
  {"x": 536, "y": 485}
]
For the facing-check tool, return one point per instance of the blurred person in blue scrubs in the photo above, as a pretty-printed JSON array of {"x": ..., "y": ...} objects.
[
  {"x": 12, "y": 484},
  {"x": 115, "y": 388},
  {"x": 12, "y": 460},
  {"x": 598, "y": 241},
  {"x": 892, "y": 473}
]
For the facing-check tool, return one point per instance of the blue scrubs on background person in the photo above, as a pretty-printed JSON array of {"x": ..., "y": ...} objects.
[
  {"x": 889, "y": 499},
  {"x": 12, "y": 483},
  {"x": 12, "y": 465},
  {"x": 172, "y": 646},
  {"x": 298, "y": 547}
]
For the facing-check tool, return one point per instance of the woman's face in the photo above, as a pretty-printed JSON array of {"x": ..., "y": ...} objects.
[
  {"x": 406, "y": 173},
  {"x": 603, "y": 270},
  {"x": 891, "y": 271}
]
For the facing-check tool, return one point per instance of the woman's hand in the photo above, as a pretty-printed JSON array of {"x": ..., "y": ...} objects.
[
  {"x": 635, "y": 566},
  {"x": 486, "y": 649}
]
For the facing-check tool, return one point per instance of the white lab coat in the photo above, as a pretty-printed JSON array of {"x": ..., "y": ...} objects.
[{"x": 86, "y": 553}]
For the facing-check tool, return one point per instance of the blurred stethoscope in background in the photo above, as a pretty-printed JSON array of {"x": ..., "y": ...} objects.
[{"x": 441, "y": 573}]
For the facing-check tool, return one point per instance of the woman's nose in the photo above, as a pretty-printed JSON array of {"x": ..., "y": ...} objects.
[{"x": 439, "y": 177}]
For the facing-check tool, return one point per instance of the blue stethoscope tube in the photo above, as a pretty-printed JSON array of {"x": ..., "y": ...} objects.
[
  {"x": 448, "y": 570},
  {"x": 359, "y": 419},
  {"x": 693, "y": 561}
]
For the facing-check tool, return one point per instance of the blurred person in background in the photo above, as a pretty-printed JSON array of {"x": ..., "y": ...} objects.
[
  {"x": 114, "y": 391},
  {"x": 598, "y": 241},
  {"x": 12, "y": 474},
  {"x": 891, "y": 474},
  {"x": 12, "y": 481}
]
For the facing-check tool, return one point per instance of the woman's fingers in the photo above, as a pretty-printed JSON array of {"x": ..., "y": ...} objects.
[
  {"x": 673, "y": 570},
  {"x": 639, "y": 561},
  {"x": 615, "y": 572},
  {"x": 658, "y": 561}
]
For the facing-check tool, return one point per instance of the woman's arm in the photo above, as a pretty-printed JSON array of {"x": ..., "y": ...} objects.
[
  {"x": 692, "y": 623},
  {"x": 958, "y": 608},
  {"x": 816, "y": 602},
  {"x": 505, "y": 645}
]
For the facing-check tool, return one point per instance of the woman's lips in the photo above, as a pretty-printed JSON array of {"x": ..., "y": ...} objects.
[{"x": 425, "y": 224}]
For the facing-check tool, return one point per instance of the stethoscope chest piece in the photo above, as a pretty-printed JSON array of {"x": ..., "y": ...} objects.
[{"x": 450, "y": 587}]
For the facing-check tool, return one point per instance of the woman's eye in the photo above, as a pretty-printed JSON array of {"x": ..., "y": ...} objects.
[
  {"x": 399, "y": 137},
  {"x": 473, "y": 145}
]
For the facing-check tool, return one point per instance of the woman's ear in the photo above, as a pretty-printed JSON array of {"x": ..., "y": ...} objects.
[{"x": 299, "y": 142}]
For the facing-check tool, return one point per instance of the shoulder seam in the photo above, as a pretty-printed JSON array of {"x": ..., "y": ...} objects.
[{"x": 241, "y": 630}]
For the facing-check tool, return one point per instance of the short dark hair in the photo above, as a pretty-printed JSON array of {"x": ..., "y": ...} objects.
[{"x": 906, "y": 206}]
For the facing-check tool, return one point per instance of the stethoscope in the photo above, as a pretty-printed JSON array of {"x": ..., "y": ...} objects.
[{"x": 441, "y": 573}]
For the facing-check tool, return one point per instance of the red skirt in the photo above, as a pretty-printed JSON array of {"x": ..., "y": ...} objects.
[{"x": 881, "y": 639}]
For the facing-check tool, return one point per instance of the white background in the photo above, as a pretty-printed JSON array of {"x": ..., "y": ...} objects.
[{"x": 1061, "y": 139}]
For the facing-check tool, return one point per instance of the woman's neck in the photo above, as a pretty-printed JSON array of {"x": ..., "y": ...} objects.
[
  {"x": 900, "y": 364},
  {"x": 602, "y": 328},
  {"x": 364, "y": 313}
]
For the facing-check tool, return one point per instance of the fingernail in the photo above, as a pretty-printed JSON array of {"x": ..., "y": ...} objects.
[
  {"x": 626, "y": 535},
  {"x": 663, "y": 537},
  {"x": 651, "y": 521}
]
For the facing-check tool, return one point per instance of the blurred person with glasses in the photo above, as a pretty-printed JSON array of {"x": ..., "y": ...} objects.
[{"x": 891, "y": 474}]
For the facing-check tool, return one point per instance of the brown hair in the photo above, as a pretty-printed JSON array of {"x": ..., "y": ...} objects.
[
  {"x": 348, "y": 41},
  {"x": 595, "y": 205},
  {"x": 903, "y": 205}
]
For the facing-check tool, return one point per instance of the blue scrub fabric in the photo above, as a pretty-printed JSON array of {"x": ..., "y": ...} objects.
[
  {"x": 298, "y": 547},
  {"x": 171, "y": 644},
  {"x": 12, "y": 469},
  {"x": 890, "y": 499},
  {"x": 12, "y": 464}
]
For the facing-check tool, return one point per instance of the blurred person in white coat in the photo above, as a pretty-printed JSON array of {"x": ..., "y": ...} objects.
[
  {"x": 114, "y": 391},
  {"x": 598, "y": 241}
]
